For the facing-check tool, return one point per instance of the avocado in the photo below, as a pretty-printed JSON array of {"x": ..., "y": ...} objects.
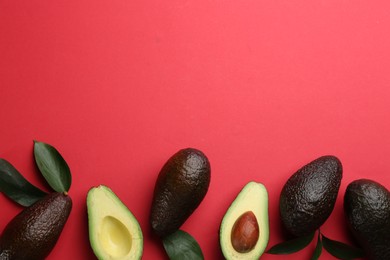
[
  {"x": 114, "y": 232},
  {"x": 33, "y": 233},
  {"x": 309, "y": 195},
  {"x": 180, "y": 187},
  {"x": 367, "y": 210},
  {"x": 244, "y": 230}
]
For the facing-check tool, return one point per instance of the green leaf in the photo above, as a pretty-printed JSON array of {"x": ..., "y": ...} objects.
[
  {"x": 318, "y": 250},
  {"x": 52, "y": 166},
  {"x": 181, "y": 245},
  {"x": 291, "y": 246},
  {"x": 16, "y": 187},
  {"x": 341, "y": 250}
]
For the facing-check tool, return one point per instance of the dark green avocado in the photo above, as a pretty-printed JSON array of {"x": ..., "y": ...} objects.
[
  {"x": 308, "y": 197},
  {"x": 367, "y": 209},
  {"x": 33, "y": 233},
  {"x": 180, "y": 187}
]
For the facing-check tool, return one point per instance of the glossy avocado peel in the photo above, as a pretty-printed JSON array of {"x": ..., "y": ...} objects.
[
  {"x": 306, "y": 202},
  {"x": 33, "y": 233},
  {"x": 180, "y": 187},
  {"x": 309, "y": 195},
  {"x": 367, "y": 210}
]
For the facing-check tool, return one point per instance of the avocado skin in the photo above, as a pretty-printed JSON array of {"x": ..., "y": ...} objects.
[
  {"x": 309, "y": 195},
  {"x": 180, "y": 187},
  {"x": 367, "y": 209},
  {"x": 33, "y": 233}
]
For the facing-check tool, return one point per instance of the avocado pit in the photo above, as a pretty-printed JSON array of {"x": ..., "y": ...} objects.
[{"x": 245, "y": 232}]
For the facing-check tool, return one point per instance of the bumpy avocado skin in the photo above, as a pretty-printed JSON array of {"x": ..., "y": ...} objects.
[
  {"x": 33, "y": 233},
  {"x": 180, "y": 187},
  {"x": 367, "y": 209},
  {"x": 308, "y": 197}
]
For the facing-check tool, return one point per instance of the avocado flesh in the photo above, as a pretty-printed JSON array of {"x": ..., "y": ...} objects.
[
  {"x": 114, "y": 232},
  {"x": 180, "y": 187},
  {"x": 367, "y": 209},
  {"x": 253, "y": 197},
  {"x": 309, "y": 195},
  {"x": 34, "y": 232}
]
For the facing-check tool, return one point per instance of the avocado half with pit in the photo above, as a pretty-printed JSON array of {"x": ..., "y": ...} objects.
[
  {"x": 244, "y": 230},
  {"x": 114, "y": 232}
]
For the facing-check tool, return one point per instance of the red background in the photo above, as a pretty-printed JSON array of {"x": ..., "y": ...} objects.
[{"x": 261, "y": 87}]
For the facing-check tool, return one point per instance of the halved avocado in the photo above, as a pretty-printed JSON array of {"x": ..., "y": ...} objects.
[
  {"x": 114, "y": 232},
  {"x": 244, "y": 230}
]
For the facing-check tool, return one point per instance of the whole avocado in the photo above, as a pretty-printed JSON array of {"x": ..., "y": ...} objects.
[
  {"x": 308, "y": 197},
  {"x": 180, "y": 187},
  {"x": 33, "y": 233},
  {"x": 367, "y": 209}
]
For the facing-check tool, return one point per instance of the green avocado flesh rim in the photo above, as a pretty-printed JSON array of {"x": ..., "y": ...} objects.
[
  {"x": 253, "y": 197},
  {"x": 113, "y": 230}
]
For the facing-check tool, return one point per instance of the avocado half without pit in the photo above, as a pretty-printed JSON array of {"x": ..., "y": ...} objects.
[
  {"x": 114, "y": 232},
  {"x": 244, "y": 230}
]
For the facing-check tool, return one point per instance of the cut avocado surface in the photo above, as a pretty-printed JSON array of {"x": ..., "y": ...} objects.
[
  {"x": 114, "y": 232},
  {"x": 244, "y": 230}
]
